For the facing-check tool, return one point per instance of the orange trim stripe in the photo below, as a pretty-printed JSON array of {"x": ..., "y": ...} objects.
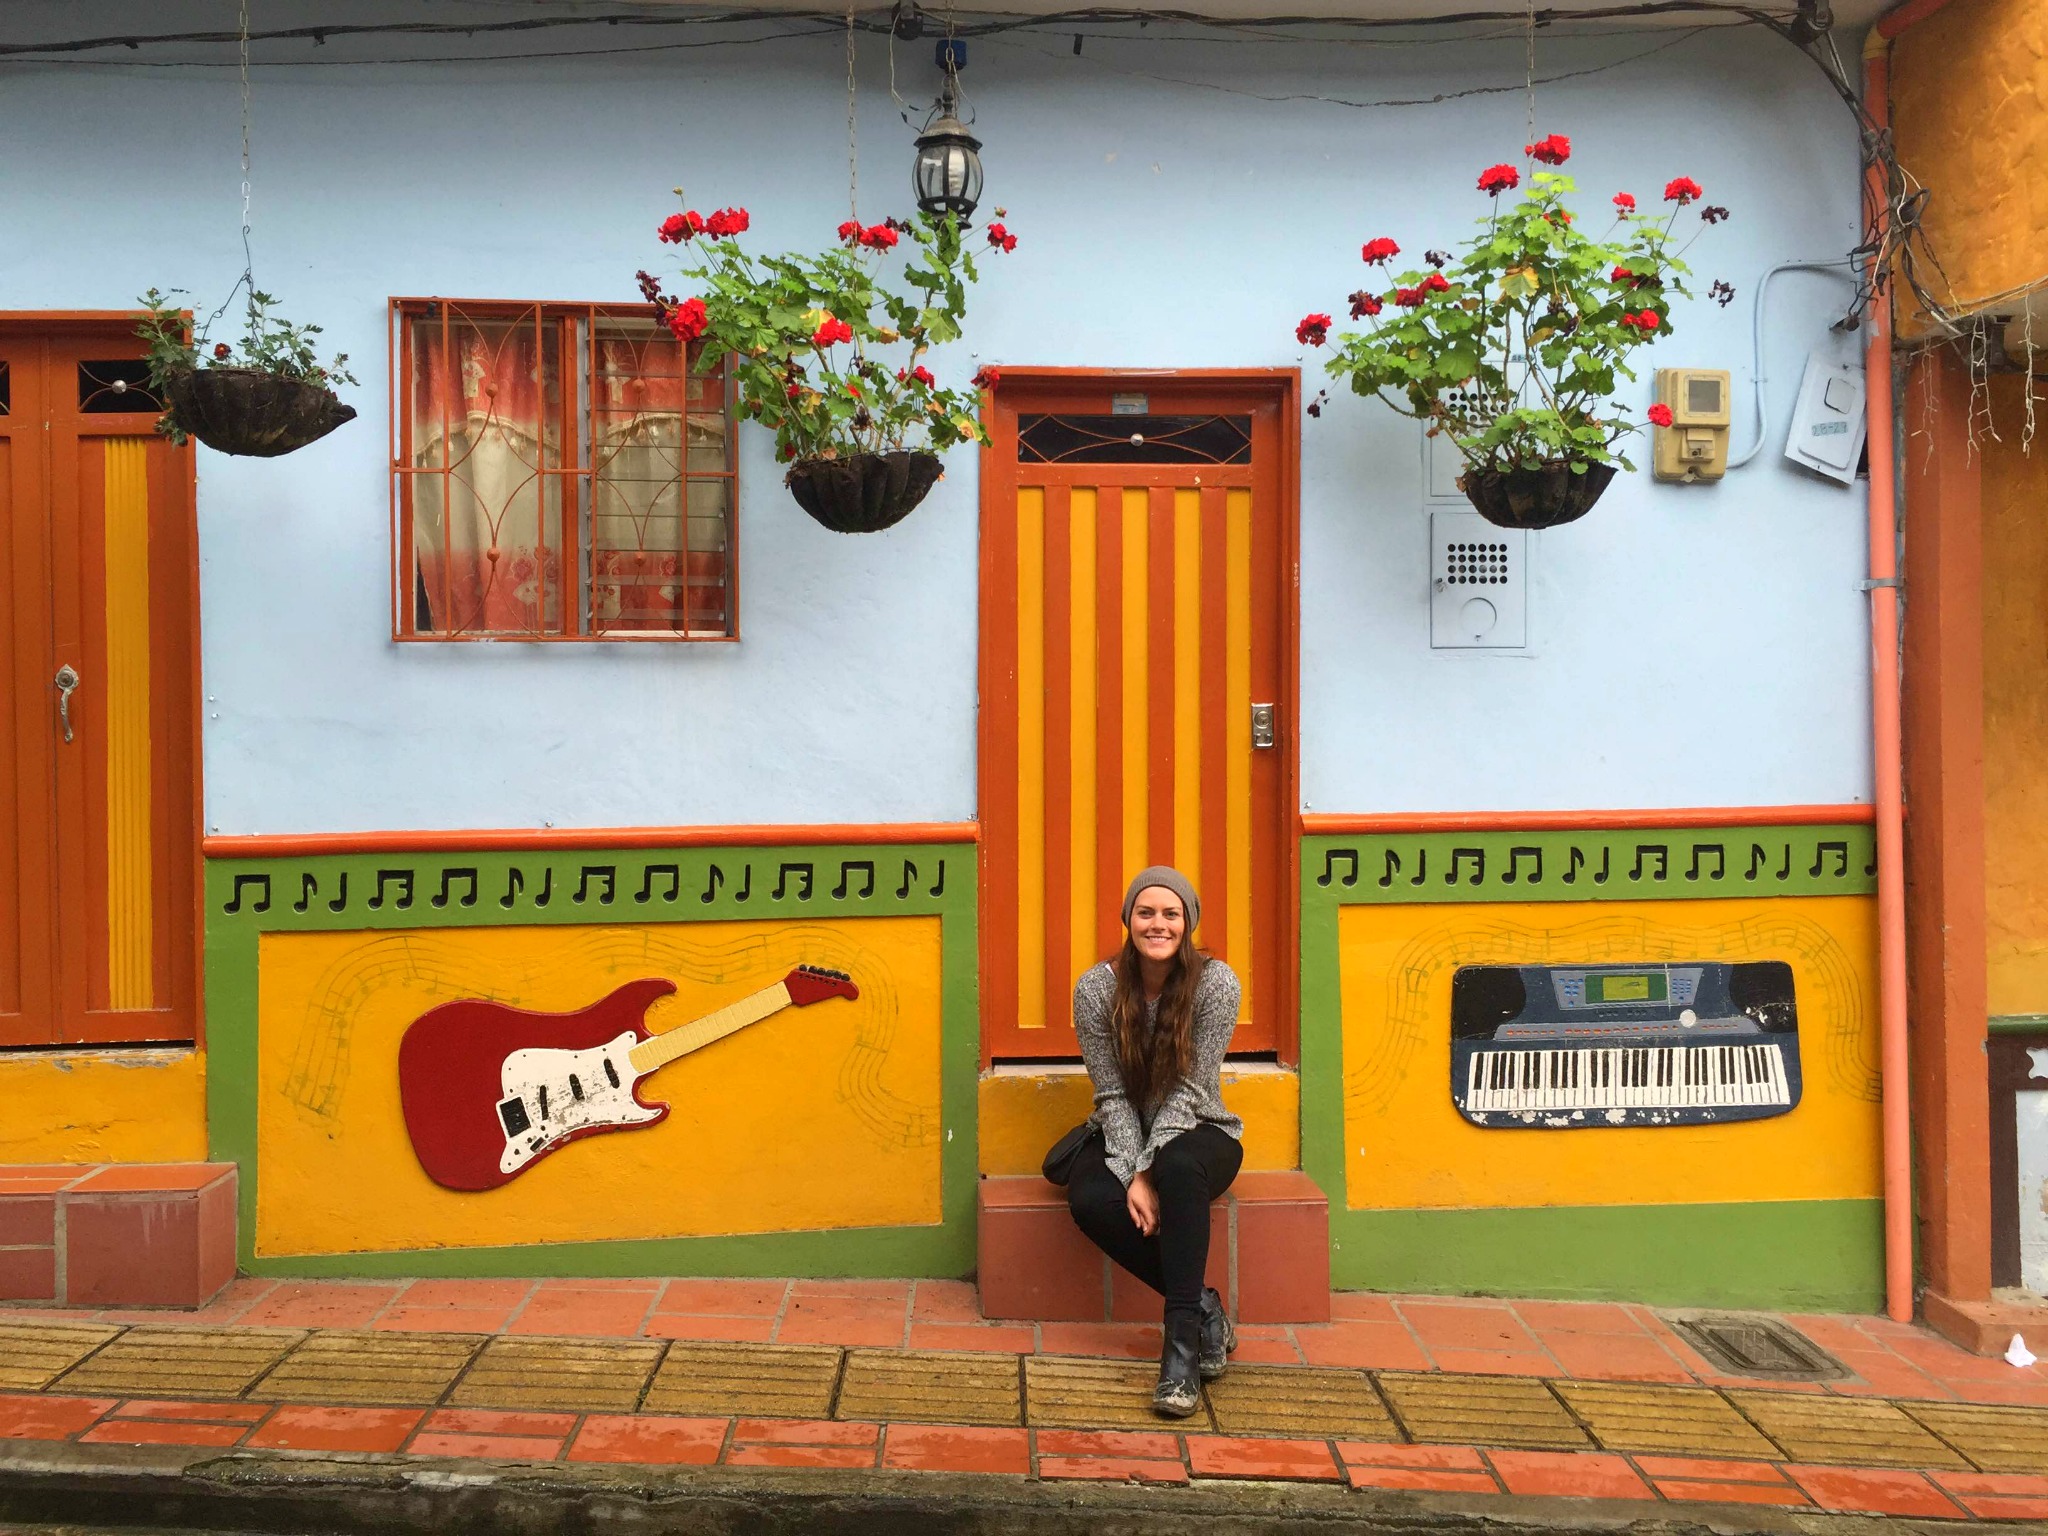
[
  {"x": 1337, "y": 824},
  {"x": 305, "y": 845},
  {"x": 1220, "y": 856},
  {"x": 1109, "y": 719},
  {"x": 1057, "y": 841},
  {"x": 1082, "y": 905},
  {"x": 1157, "y": 766},
  {"x": 1131, "y": 772},
  {"x": 1030, "y": 908},
  {"x": 130, "y": 883},
  {"x": 1237, "y": 649},
  {"x": 1188, "y": 850}
]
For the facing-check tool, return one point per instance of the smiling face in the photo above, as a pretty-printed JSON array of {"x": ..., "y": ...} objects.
[{"x": 1158, "y": 923}]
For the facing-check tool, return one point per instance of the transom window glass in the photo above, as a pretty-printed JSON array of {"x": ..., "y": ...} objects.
[{"x": 559, "y": 472}]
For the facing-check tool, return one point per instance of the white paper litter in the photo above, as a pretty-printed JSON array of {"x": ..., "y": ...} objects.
[{"x": 2017, "y": 1353}]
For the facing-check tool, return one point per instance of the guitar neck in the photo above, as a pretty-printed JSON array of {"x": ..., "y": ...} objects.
[{"x": 651, "y": 1055}]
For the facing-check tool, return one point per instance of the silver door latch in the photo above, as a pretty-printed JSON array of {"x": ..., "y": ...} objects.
[
  {"x": 67, "y": 680},
  {"x": 1262, "y": 726}
]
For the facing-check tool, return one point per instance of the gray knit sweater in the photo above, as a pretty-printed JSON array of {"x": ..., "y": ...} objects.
[{"x": 1130, "y": 1139}]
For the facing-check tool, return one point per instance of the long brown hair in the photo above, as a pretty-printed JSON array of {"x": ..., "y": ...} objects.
[{"x": 1153, "y": 1060}]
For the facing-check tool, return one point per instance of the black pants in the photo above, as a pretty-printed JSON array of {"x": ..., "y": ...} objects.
[{"x": 1188, "y": 1172}]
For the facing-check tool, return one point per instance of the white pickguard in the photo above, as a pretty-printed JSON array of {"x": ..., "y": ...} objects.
[{"x": 564, "y": 1091}]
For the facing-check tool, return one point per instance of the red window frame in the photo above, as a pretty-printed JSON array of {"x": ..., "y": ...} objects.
[{"x": 569, "y": 332}]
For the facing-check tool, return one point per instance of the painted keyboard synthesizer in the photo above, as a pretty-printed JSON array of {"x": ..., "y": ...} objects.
[{"x": 1566, "y": 1047}]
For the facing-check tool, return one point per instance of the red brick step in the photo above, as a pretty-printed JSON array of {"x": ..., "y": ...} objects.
[
  {"x": 1269, "y": 1254},
  {"x": 117, "y": 1234}
]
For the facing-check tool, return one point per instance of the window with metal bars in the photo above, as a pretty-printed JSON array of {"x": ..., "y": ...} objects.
[{"x": 559, "y": 472}]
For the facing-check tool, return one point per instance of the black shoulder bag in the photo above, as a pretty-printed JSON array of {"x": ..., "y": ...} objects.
[{"x": 1059, "y": 1162}]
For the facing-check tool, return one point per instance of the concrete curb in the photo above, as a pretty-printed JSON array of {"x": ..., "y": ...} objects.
[{"x": 299, "y": 1492}]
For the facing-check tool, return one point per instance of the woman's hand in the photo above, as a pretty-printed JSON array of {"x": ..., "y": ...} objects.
[{"x": 1142, "y": 1201}]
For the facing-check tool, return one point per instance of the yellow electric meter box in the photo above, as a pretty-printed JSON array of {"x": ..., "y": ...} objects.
[{"x": 1695, "y": 445}]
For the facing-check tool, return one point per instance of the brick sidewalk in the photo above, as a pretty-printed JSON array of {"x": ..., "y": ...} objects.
[{"x": 1410, "y": 1393}]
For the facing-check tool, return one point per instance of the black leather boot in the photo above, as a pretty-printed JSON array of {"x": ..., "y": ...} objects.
[
  {"x": 1218, "y": 1337},
  {"x": 1179, "y": 1392}
]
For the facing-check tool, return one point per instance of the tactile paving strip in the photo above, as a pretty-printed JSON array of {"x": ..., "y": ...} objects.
[
  {"x": 151, "y": 1361},
  {"x": 1482, "y": 1410},
  {"x": 400, "y": 1369},
  {"x": 1684, "y": 1421},
  {"x": 929, "y": 1387},
  {"x": 32, "y": 1355},
  {"x": 1297, "y": 1400},
  {"x": 569, "y": 1375},
  {"x": 1844, "y": 1431},
  {"x": 1997, "y": 1439},
  {"x": 1062, "y": 1393},
  {"x": 776, "y": 1381}
]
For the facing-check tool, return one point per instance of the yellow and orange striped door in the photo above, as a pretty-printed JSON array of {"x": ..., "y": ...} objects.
[
  {"x": 1137, "y": 558},
  {"x": 98, "y": 682}
]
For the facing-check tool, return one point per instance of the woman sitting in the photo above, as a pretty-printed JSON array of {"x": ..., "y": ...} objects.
[{"x": 1154, "y": 1024}]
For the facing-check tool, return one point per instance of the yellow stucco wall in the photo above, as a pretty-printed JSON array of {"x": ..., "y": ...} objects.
[
  {"x": 1024, "y": 1112},
  {"x": 819, "y": 1117},
  {"x": 2015, "y": 496},
  {"x": 1970, "y": 117},
  {"x": 1408, "y": 1147},
  {"x": 103, "y": 1107}
]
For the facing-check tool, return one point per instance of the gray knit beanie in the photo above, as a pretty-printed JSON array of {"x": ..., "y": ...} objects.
[{"x": 1168, "y": 879}]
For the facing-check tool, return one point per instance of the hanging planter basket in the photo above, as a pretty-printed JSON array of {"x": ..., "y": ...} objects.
[
  {"x": 1546, "y": 496},
  {"x": 865, "y": 492},
  {"x": 253, "y": 414}
]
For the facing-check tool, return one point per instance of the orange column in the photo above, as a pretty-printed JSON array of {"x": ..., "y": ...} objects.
[{"x": 1944, "y": 772}]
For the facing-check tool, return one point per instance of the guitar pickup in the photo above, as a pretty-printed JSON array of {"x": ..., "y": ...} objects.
[{"x": 513, "y": 1112}]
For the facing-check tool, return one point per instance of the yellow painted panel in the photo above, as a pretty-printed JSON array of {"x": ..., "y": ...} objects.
[
  {"x": 1237, "y": 701},
  {"x": 124, "y": 1106},
  {"x": 1023, "y": 1113},
  {"x": 818, "y": 1117},
  {"x": 2015, "y": 489},
  {"x": 1030, "y": 915},
  {"x": 130, "y": 891},
  {"x": 1407, "y": 1147},
  {"x": 1969, "y": 90},
  {"x": 1188, "y": 852},
  {"x": 1081, "y": 736},
  {"x": 1136, "y": 647}
]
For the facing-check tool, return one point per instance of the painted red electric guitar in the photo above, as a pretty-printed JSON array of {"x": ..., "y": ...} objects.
[{"x": 489, "y": 1090}]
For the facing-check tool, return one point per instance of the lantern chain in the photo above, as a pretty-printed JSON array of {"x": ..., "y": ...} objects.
[{"x": 852, "y": 129}]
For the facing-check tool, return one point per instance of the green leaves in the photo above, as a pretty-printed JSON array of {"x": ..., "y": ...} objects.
[
  {"x": 1519, "y": 357},
  {"x": 863, "y": 396}
]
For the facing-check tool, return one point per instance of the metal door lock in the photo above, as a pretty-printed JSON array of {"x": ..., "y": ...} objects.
[
  {"x": 67, "y": 681},
  {"x": 1262, "y": 726}
]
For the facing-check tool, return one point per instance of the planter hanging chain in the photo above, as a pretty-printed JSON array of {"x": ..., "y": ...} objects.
[{"x": 246, "y": 283}]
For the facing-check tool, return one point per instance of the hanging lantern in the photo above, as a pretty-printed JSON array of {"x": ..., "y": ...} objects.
[{"x": 947, "y": 173}]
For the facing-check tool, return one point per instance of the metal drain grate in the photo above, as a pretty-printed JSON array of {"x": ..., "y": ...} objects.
[{"x": 1743, "y": 1345}]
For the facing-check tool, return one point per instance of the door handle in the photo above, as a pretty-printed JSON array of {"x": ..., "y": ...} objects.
[{"x": 67, "y": 681}]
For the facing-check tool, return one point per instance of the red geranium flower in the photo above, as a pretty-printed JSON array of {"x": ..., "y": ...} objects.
[
  {"x": 792, "y": 391},
  {"x": 1313, "y": 331},
  {"x": 1620, "y": 275},
  {"x": 1364, "y": 304},
  {"x": 1379, "y": 251},
  {"x": 1681, "y": 190},
  {"x": 1496, "y": 179},
  {"x": 1625, "y": 201},
  {"x": 678, "y": 227},
  {"x": 986, "y": 377},
  {"x": 1001, "y": 239},
  {"x": 727, "y": 222},
  {"x": 222, "y": 350},
  {"x": 1408, "y": 298},
  {"x": 853, "y": 389},
  {"x": 831, "y": 331},
  {"x": 850, "y": 232},
  {"x": 1554, "y": 150},
  {"x": 687, "y": 320},
  {"x": 878, "y": 237},
  {"x": 1436, "y": 283},
  {"x": 1660, "y": 415},
  {"x": 922, "y": 374},
  {"x": 1647, "y": 322}
]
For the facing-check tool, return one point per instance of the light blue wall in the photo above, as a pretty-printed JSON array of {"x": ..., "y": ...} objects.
[{"x": 1689, "y": 646}]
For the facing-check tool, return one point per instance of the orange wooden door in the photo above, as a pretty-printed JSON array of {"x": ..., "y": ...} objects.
[
  {"x": 98, "y": 817},
  {"x": 1137, "y": 558}
]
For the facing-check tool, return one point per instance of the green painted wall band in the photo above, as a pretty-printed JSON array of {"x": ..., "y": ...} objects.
[
  {"x": 246, "y": 898},
  {"x": 1647, "y": 865}
]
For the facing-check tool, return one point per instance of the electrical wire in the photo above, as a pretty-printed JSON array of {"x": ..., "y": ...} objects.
[{"x": 1842, "y": 266}]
